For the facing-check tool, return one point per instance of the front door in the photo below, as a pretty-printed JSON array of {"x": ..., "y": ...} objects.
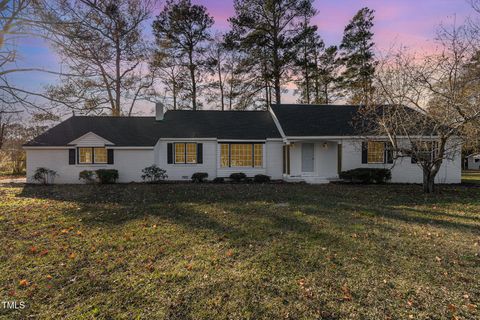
[{"x": 307, "y": 157}]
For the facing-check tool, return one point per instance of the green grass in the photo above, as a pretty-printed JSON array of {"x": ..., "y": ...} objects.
[
  {"x": 283, "y": 251},
  {"x": 471, "y": 177}
]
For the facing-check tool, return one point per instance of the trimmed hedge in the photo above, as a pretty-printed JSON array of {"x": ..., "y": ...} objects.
[
  {"x": 261, "y": 178},
  {"x": 218, "y": 180},
  {"x": 87, "y": 175},
  {"x": 238, "y": 176},
  {"x": 199, "y": 177},
  {"x": 107, "y": 176},
  {"x": 367, "y": 175},
  {"x": 154, "y": 174}
]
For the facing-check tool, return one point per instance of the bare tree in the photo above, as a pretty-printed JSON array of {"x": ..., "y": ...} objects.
[
  {"x": 103, "y": 47},
  {"x": 428, "y": 103}
]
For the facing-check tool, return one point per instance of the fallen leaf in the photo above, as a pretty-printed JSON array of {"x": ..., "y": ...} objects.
[
  {"x": 23, "y": 283},
  {"x": 229, "y": 252},
  {"x": 472, "y": 307},
  {"x": 33, "y": 250},
  {"x": 72, "y": 255},
  {"x": 49, "y": 277},
  {"x": 452, "y": 308},
  {"x": 44, "y": 252}
]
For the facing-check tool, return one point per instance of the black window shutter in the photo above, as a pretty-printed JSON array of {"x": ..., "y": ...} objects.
[
  {"x": 414, "y": 158},
  {"x": 71, "y": 156},
  {"x": 199, "y": 152},
  {"x": 110, "y": 159},
  {"x": 169, "y": 152},
  {"x": 364, "y": 152}
]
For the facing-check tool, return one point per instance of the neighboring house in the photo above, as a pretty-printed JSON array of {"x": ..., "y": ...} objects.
[
  {"x": 291, "y": 142},
  {"x": 473, "y": 162}
]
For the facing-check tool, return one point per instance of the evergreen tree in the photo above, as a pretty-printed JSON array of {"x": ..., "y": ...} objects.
[
  {"x": 269, "y": 31},
  {"x": 358, "y": 58},
  {"x": 327, "y": 76},
  {"x": 306, "y": 62},
  {"x": 186, "y": 27}
]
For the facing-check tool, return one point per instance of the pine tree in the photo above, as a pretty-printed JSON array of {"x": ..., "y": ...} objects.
[
  {"x": 268, "y": 31},
  {"x": 358, "y": 58},
  {"x": 327, "y": 76},
  {"x": 186, "y": 27},
  {"x": 309, "y": 45}
]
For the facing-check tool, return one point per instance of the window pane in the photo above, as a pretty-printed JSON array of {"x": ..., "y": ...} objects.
[
  {"x": 224, "y": 155},
  {"x": 258, "y": 155},
  {"x": 85, "y": 155},
  {"x": 179, "y": 153},
  {"x": 376, "y": 151},
  {"x": 241, "y": 155},
  {"x": 191, "y": 153},
  {"x": 100, "y": 155}
]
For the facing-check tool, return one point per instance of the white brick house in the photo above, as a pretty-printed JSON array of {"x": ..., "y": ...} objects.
[{"x": 290, "y": 142}]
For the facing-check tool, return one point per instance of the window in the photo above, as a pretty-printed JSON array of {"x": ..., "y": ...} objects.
[
  {"x": 376, "y": 152},
  {"x": 185, "y": 153},
  {"x": 100, "y": 155},
  {"x": 258, "y": 156},
  {"x": 424, "y": 151},
  {"x": 224, "y": 155},
  {"x": 179, "y": 153},
  {"x": 92, "y": 155},
  {"x": 191, "y": 153},
  {"x": 85, "y": 155},
  {"x": 241, "y": 155}
]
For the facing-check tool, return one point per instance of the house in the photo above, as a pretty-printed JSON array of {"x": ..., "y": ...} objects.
[
  {"x": 472, "y": 162},
  {"x": 310, "y": 143}
]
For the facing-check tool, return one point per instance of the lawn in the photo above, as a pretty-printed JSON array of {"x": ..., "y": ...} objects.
[
  {"x": 279, "y": 251},
  {"x": 471, "y": 177}
]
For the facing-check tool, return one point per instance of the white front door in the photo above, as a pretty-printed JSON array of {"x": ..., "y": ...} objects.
[{"x": 307, "y": 157}]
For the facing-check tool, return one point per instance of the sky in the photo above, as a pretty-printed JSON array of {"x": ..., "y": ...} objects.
[{"x": 411, "y": 23}]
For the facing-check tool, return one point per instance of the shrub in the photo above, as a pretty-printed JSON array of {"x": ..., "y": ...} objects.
[
  {"x": 367, "y": 175},
  {"x": 154, "y": 174},
  {"x": 238, "y": 177},
  {"x": 261, "y": 178},
  {"x": 107, "y": 176},
  {"x": 44, "y": 175},
  {"x": 219, "y": 180},
  {"x": 87, "y": 175},
  {"x": 199, "y": 177}
]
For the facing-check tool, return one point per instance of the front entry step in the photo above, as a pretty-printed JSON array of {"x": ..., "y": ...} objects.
[
  {"x": 316, "y": 180},
  {"x": 310, "y": 180}
]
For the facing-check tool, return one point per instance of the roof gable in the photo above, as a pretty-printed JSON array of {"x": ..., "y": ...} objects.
[{"x": 90, "y": 139}]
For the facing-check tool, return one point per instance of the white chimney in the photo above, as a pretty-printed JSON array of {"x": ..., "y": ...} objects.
[{"x": 159, "y": 112}]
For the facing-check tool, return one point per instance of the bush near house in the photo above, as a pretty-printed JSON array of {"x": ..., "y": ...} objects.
[
  {"x": 261, "y": 178},
  {"x": 199, "y": 177},
  {"x": 367, "y": 175},
  {"x": 154, "y": 174},
  {"x": 238, "y": 177},
  {"x": 44, "y": 175},
  {"x": 88, "y": 176},
  {"x": 107, "y": 176},
  {"x": 218, "y": 180}
]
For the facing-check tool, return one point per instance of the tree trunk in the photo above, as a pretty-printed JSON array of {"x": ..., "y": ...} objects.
[
  {"x": 428, "y": 181},
  {"x": 118, "y": 52},
  {"x": 220, "y": 83},
  {"x": 192, "y": 77}
]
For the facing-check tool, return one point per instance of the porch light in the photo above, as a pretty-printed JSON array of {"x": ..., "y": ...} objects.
[{"x": 325, "y": 145}]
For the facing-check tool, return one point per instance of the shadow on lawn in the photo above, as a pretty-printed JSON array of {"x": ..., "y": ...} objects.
[{"x": 192, "y": 205}]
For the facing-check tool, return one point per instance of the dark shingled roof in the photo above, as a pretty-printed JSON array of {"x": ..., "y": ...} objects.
[
  {"x": 145, "y": 131},
  {"x": 316, "y": 120}
]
